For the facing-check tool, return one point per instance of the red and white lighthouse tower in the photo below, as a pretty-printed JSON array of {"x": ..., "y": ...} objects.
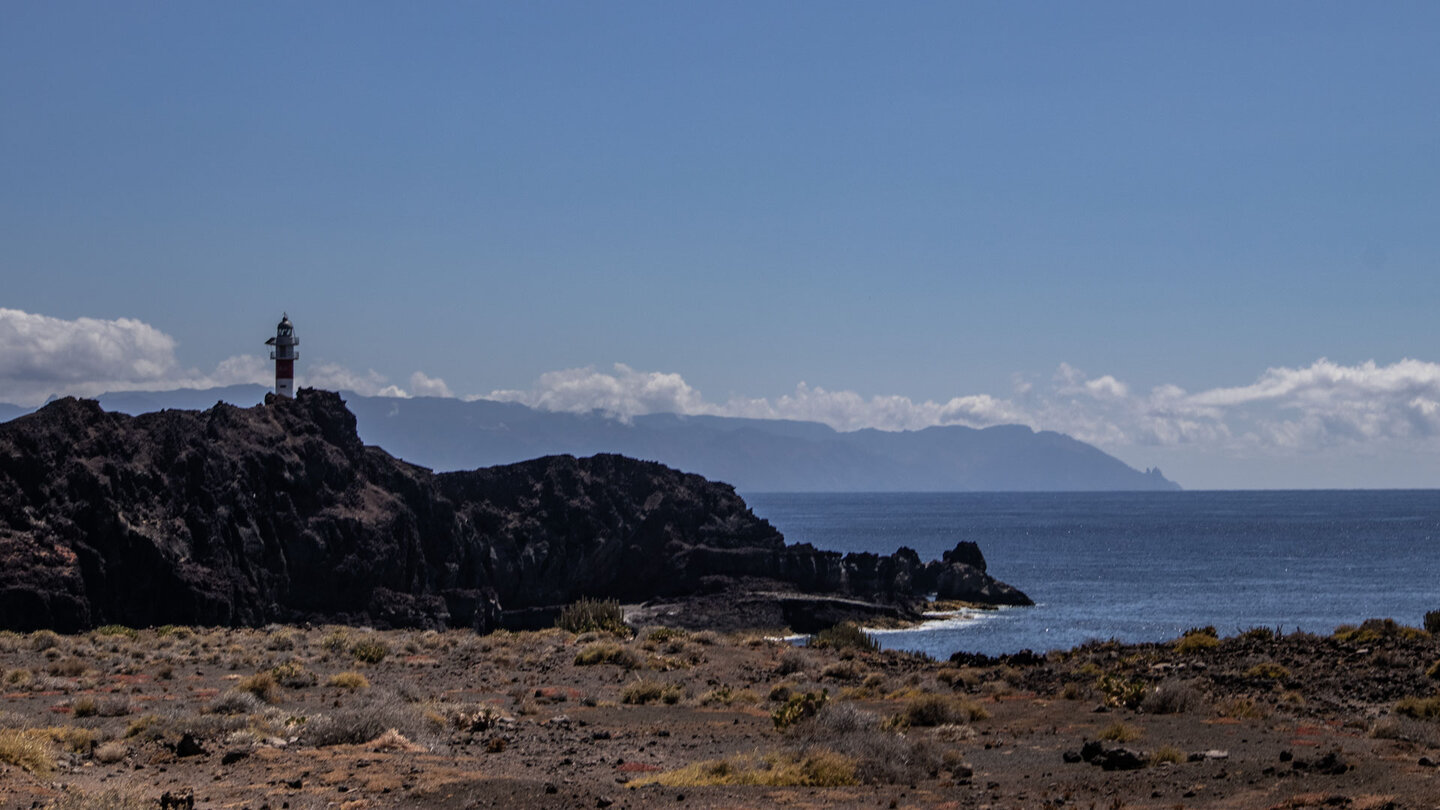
[{"x": 284, "y": 356}]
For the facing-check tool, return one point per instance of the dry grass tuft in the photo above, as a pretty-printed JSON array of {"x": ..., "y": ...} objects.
[
  {"x": 819, "y": 768},
  {"x": 608, "y": 652},
  {"x": 1120, "y": 732},
  {"x": 348, "y": 680},
  {"x": 29, "y": 749},
  {"x": 644, "y": 690},
  {"x": 1167, "y": 755}
]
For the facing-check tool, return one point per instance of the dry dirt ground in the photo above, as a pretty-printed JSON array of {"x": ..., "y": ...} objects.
[{"x": 291, "y": 717}]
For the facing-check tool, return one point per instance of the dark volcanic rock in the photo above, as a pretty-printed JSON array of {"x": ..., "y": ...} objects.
[{"x": 280, "y": 513}]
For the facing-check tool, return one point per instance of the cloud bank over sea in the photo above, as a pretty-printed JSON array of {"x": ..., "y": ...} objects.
[{"x": 1368, "y": 409}]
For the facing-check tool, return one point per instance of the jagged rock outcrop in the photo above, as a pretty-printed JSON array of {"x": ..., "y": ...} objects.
[{"x": 280, "y": 513}]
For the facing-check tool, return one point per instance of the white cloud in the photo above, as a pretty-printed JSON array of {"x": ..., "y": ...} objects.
[
  {"x": 1285, "y": 410},
  {"x": 624, "y": 394},
  {"x": 423, "y": 385},
  {"x": 42, "y": 356}
]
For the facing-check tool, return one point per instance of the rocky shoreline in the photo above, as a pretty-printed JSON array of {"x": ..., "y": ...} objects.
[{"x": 279, "y": 513}]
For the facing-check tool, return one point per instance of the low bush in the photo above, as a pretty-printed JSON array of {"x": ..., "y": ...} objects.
[
  {"x": 881, "y": 755},
  {"x": 85, "y": 706},
  {"x": 798, "y": 707},
  {"x": 1197, "y": 639},
  {"x": 1373, "y": 630},
  {"x": 1259, "y": 634},
  {"x": 111, "y": 752},
  {"x": 1268, "y": 670},
  {"x": 117, "y": 630},
  {"x": 236, "y": 702},
  {"x": 644, "y": 690},
  {"x": 1432, "y": 621},
  {"x": 42, "y": 640},
  {"x": 845, "y": 636},
  {"x": 364, "y": 722},
  {"x": 348, "y": 680},
  {"x": 1120, "y": 691},
  {"x": 370, "y": 651},
  {"x": 593, "y": 616},
  {"x": 1172, "y": 697},
  {"x": 938, "y": 710},
  {"x": 608, "y": 652},
  {"x": 262, "y": 685},
  {"x": 293, "y": 675}
]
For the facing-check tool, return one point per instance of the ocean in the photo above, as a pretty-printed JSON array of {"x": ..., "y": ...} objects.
[{"x": 1142, "y": 566}]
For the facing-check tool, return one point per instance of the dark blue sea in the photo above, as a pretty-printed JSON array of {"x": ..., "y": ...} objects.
[{"x": 1146, "y": 566}]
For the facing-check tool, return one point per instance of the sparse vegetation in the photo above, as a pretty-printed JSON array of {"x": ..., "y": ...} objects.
[
  {"x": 1120, "y": 691},
  {"x": 1432, "y": 621}
]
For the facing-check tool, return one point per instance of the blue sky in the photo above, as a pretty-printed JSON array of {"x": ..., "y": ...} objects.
[{"x": 995, "y": 204}]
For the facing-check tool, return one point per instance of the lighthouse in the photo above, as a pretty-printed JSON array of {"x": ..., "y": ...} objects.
[{"x": 284, "y": 356}]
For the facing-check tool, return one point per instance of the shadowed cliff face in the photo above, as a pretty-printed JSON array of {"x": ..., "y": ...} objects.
[{"x": 280, "y": 513}]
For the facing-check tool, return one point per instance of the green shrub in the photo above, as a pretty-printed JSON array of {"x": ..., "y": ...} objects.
[
  {"x": 1119, "y": 691},
  {"x": 799, "y": 707},
  {"x": 370, "y": 651},
  {"x": 117, "y": 630},
  {"x": 593, "y": 616},
  {"x": 845, "y": 636}
]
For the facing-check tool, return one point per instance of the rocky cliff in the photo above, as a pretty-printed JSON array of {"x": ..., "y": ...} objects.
[{"x": 280, "y": 513}]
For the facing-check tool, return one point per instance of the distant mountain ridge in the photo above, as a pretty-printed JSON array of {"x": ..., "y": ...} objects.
[{"x": 756, "y": 455}]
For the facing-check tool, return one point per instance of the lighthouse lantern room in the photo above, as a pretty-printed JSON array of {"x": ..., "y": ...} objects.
[{"x": 284, "y": 356}]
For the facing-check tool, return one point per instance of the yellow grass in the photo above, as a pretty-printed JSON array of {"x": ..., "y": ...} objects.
[{"x": 817, "y": 769}]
